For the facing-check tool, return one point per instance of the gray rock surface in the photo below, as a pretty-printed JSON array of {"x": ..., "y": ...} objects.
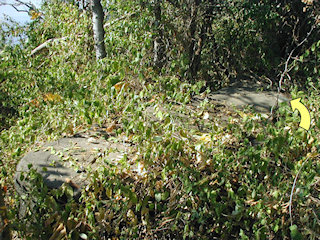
[
  {"x": 262, "y": 101},
  {"x": 69, "y": 160}
]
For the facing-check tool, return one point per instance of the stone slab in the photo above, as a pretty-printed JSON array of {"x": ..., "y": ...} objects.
[
  {"x": 69, "y": 160},
  {"x": 262, "y": 101}
]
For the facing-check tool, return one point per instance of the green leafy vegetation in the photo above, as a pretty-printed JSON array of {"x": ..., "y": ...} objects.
[{"x": 199, "y": 178}]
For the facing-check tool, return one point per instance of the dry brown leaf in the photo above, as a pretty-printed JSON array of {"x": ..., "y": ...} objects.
[
  {"x": 159, "y": 185},
  {"x": 71, "y": 183},
  {"x": 111, "y": 128},
  {"x": 71, "y": 224},
  {"x": 166, "y": 220},
  {"x": 34, "y": 102},
  {"x": 252, "y": 202},
  {"x": 153, "y": 99},
  {"x": 51, "y": 219},
  {"x": 59, "y": 233}
]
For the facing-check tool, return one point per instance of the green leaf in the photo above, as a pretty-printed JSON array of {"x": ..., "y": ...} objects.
[
  {"x": 294, "y": 233},
  {"x": 243, "y": 235},
  {"x": 301, "y": 58},
  {"x": 158, "y": 197},
  {"x": 157, "y": 139},
  {"x": 83, "y": 236},
  {"x": 306, "y": 54},
  {"x": 160, "y": 115},
  {"x": 164, "y": 196}
]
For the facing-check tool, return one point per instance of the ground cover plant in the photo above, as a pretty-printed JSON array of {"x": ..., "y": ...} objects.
[{"x": 248, "y": 177}]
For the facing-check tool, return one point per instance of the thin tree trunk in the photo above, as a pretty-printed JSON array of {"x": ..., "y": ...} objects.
[
  {"x": 158, "y": 58},
  {"x": 193, "y": 63},
  {"x": 98, "y": 31},
  {"x": 197, "y": 42}
]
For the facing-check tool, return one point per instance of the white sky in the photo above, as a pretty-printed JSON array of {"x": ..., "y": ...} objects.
[{"x": 20, "y": 17}]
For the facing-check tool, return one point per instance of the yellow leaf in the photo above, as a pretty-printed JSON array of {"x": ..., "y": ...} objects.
[
  {"x": 52, "y": 97},
  {"x": 312, "y": 155},
  {"x": 121, "y": 85},
  {"x": 35, "y": 15},
  {"x": 109, "y": 192},
  {"x": 205, "y": 138}
]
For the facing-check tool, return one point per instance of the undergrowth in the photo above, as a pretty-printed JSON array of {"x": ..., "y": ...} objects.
[{"x": 230, "y": 181}]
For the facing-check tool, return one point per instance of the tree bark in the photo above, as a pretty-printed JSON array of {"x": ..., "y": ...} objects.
[
  {"x": 193, "y": 60},
  {"x": 98, "y": 31},
  {"x": 158, "y": 46}
]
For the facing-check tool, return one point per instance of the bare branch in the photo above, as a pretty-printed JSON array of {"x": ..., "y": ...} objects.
[
  {"x": 286, "y": 71},
  {"x": 44, "y": 46},
  {"x": 19, "y": 10},
  {"x": 292, "y": 190},
  {"x": 19, "y": 3},
  {"x": 119, "y": 19},
  {"x": 29, "y": 5}
]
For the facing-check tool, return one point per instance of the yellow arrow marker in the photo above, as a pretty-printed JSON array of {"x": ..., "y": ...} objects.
[{"x": 304, "y": 113}]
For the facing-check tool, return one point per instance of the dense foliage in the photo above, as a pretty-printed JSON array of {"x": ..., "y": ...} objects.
[{"x": 221, "y": 181}]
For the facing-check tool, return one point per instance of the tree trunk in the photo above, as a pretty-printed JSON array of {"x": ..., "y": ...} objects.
[
  {"x": 98, "y": 31},
  {"x": 198, "y": 34},
  {"x": 193, "y": 62},
  {"x": 158, "y": 58}
]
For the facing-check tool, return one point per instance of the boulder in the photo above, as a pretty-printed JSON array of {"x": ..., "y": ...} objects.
[
  {"x": 68, "y": 160},
  {"x": 261, "y": 101}
]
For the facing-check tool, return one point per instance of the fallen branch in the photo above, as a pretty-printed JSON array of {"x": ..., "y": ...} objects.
[
  {"x": 44, "y": 46},
  {"x": 118, "y": 19},
  {"x": 292, "y": 190}
]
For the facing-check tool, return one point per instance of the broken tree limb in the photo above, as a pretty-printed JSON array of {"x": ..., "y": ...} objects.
[
  {"x": 44, "y": 46},
  {"x": 119, "y": 19}
]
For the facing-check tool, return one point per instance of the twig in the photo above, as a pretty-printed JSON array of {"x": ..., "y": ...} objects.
[
  {"x": 29, "y": 5},
  {"x": 292, "y": 189},
  {"x": 19, "y": 10},
  {"x": 18, "y": 3},
  {"x": 286, "y": 71},
  {"x": 119, "y": 19}
]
